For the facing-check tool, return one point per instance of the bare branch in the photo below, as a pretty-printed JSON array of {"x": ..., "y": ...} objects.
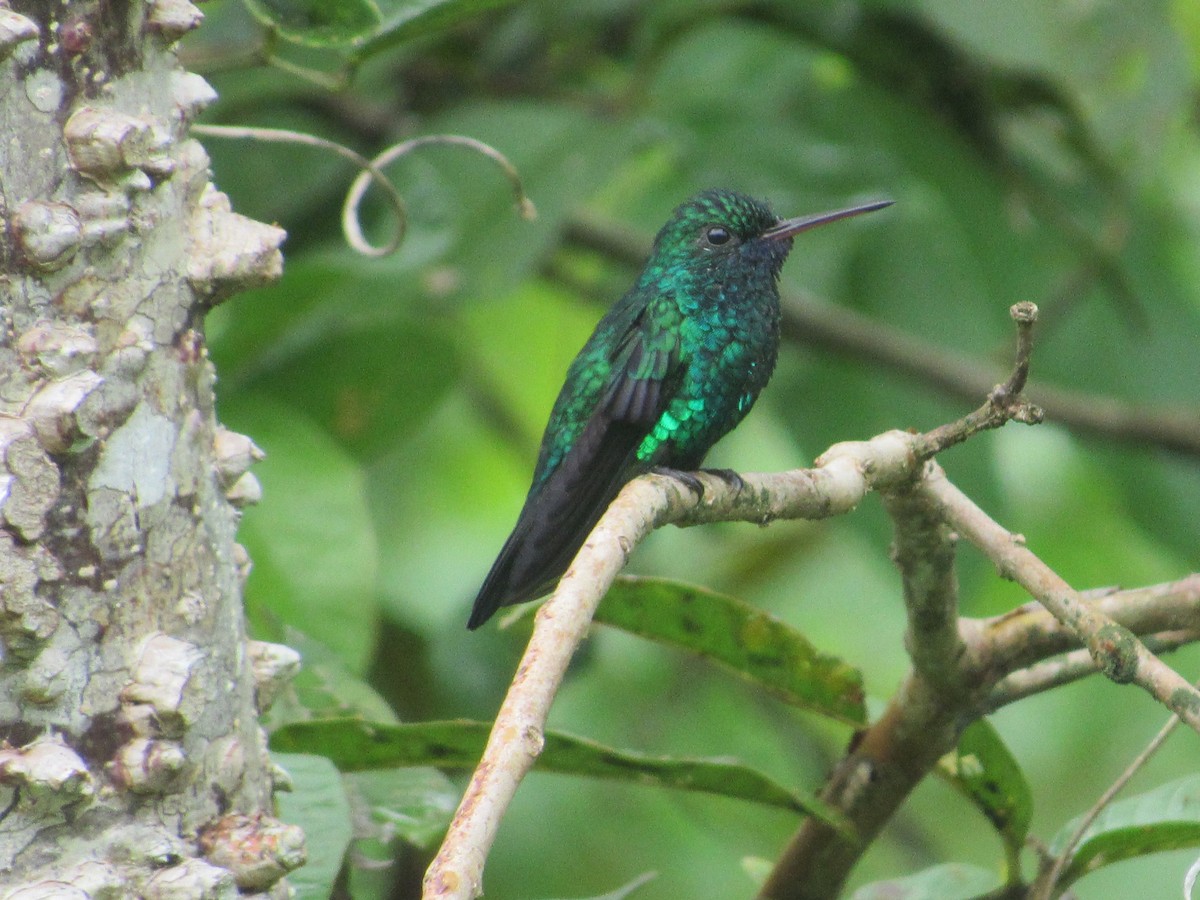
[
  {"x": 1030, "y": 634},
  {"x": 1117, "y": 652},
  {"x": 841, "y": 479},
  {"x": 1003, "y": 402},
  {"x": 1068, "y": 667},
  {"x": 923, "y": 550}
]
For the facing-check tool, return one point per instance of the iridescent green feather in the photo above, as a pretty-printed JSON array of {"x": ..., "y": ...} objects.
[{"x": 670, "y": 369}]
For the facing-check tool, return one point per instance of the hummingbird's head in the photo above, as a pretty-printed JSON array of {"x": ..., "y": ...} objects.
[
  {"x": 724, "y": 230},
  {"x": 715, "y": 224}
]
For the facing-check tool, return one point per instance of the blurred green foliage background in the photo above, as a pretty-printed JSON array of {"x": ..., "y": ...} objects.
[{"x": 1044, "y": 151}]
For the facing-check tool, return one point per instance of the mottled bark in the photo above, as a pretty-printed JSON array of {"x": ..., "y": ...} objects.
[{"x": 132, "y": 763}]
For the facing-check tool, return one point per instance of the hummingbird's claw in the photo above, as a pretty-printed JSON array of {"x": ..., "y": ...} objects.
[
  {"x": 687, "y": 479},
  {"x": 695, "y": 485},
  {"x": 730, "y": 477}
]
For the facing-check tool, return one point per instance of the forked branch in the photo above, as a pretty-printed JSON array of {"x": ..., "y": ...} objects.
[{"x": 952, "y": 679}]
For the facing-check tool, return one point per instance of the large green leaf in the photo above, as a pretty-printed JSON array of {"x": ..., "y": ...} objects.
[
  {"x": 1166, "y": 818},
  {"x": 318, "y": 23},
  {"x": 951, "y": 881},
  {"x": 414, "y": 803},
  {"x": 405, "y": 20},
  {"x": 311, "y": 538},
  {"x": 354, "y": 745},
  {"x": 982, "y": 767},
  {"x": 367, "y": 26},
  {"x": 343, "y": 344},
  {"x": 317, "y": 803},
  {"x": 756, "y": 646}
]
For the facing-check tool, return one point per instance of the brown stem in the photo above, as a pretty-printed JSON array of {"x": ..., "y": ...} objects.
[{"x": 883, "y": 765}]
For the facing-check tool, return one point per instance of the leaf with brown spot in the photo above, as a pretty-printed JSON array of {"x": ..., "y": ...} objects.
[{"x": 755, "y": 645}]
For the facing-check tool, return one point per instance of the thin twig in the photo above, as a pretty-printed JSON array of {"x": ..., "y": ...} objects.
[
  {"x": 1044, "y": 888},
  {"x": 1004, "y": 402}
]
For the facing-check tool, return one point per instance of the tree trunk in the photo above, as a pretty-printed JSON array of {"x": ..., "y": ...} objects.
[{"x": 131, "y": 761}]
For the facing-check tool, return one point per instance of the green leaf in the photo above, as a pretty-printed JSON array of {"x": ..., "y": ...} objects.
[
  {"x": 318, "y": 23},
  {"x": 405, "y": 20},
  {"x": 1167, "y": 818},
  {"x": 353, "y": 745},
  {"x": 341, "y": 342},
  {"x": 414, "y": 804},
  {"x": 317, "y": 803},
  {"x": 982, "y": 767},
  {"x": 311, "y": 539},
  {"x": 951, "y": 881},
  {"x": 756, "y": 646},
  {"x": 395, "y": 810}
]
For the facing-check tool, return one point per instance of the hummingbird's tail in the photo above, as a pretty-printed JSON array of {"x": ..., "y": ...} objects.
[{"x": 557, "y": 518}]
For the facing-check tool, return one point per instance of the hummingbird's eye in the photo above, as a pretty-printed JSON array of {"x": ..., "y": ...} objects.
[{"x": 716, "y": 235}]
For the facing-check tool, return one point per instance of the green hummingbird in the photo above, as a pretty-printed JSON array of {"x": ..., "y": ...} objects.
[{"x": 669, "y": 370}]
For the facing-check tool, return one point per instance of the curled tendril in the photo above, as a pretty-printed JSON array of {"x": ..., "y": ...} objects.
[
  {"x": 372, "y": 171},
  {"x": 350, "y": 223}
]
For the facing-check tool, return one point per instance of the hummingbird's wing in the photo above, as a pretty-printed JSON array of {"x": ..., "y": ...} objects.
[{"x": 571, "y": 490}]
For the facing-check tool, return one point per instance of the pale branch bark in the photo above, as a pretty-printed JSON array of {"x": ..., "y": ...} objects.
[
  {"x": 945, "y": 691},
  {"x": 847, "y": 472},
  {"x": 1116, "y": 650},
  {"x": 921, "y": 723},
  {"x": 1069, "y": 667},
  {"x": 815, "y": 323},
  {"x": 923, "y": 550},
  {"x": 131, "y": 760},
  {"x": 1030, "y": 634}
]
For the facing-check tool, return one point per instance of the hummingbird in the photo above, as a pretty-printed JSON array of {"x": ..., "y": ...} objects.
[{"x": 673, "y": 367}]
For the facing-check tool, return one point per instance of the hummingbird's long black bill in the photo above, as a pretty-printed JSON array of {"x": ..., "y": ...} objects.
[{"x": 789, "y": 227}]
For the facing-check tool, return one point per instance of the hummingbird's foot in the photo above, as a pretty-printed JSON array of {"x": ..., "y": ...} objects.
[
  {"x": 695, "y": 485},
  {"x": 730, "y": 477},
  {"x": 687, "y": 479}
]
